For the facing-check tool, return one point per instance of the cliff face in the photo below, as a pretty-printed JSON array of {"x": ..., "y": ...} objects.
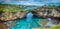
[
  {"x": 11, "y": 12},
  {"x": 47, "y": 13},
  {"x": 10, "y": 16}
]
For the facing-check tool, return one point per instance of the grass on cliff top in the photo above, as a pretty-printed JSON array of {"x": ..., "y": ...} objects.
[
  {"x": 10, "y": 8},
  {"x": 56, "y": 27},
  {"x": 53, "y": 27},
  {"x": 48, "y": 7}
]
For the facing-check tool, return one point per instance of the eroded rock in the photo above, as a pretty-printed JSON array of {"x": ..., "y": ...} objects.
[
  {"x": 46, "y": 13},
  {"x": 6, "y": 16}
]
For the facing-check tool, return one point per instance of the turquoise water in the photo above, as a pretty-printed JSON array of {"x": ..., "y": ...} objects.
[{"x": 27, "y": 23}]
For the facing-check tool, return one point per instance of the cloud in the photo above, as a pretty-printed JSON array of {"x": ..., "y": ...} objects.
[{"x": 31, "y": 2}]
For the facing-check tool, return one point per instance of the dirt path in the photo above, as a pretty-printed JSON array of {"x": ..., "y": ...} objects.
[{"x": 3, "y": 26}]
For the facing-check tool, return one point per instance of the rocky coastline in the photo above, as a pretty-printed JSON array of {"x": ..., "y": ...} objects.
[
  {"x": 10, "y": 14},
  {"x": 46, "y": 13},
  {"x": 6, "y": 16}
]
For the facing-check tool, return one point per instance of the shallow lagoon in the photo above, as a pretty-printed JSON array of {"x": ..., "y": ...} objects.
[{"x": 27, "y": 23}]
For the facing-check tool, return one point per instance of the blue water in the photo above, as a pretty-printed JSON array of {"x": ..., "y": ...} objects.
[{"x": 27, "y": 23}]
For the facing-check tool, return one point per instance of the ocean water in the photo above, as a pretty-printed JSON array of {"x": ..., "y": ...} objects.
[{"x": 27, "y": 23}]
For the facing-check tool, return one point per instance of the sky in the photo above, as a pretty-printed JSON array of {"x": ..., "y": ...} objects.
[{"x": 31, "y": 2}]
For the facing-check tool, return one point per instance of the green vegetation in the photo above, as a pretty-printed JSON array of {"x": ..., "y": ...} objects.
[
  {"x": 10, "y": 11},
  {"x": 56, "y": 27},
  {"x": 1, "y": 12},
  {"x": 49, "y": 7},
  {"x": 10, "y": 8},
  {"x": 53, "y": 27}
]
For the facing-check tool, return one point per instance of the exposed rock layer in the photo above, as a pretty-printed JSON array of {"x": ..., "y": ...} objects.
[
  {"x": 47, "y": 13},
  {"x": 6, "y": 16}
]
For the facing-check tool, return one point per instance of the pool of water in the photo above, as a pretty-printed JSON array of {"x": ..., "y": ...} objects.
[{"x": 27, "y": 23}]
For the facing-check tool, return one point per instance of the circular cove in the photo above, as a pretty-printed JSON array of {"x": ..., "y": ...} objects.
[{"x": 27, "y": 23}]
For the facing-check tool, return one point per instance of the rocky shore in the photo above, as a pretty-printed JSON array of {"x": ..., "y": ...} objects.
[
  {"x": 11, "y": 12},
  {"x": 46, "y": 13},
  {"x": 6, "y": 16}
]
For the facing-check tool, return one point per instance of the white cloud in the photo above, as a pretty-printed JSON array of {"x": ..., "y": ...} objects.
[{"x": 31, "y": 2}]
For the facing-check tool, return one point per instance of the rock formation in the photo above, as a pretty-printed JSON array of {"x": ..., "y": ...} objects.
[
  {"x": 47, "y": 13},
  {"x": 11, "y": 12},
  {"x": 10, "y": 16}
]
